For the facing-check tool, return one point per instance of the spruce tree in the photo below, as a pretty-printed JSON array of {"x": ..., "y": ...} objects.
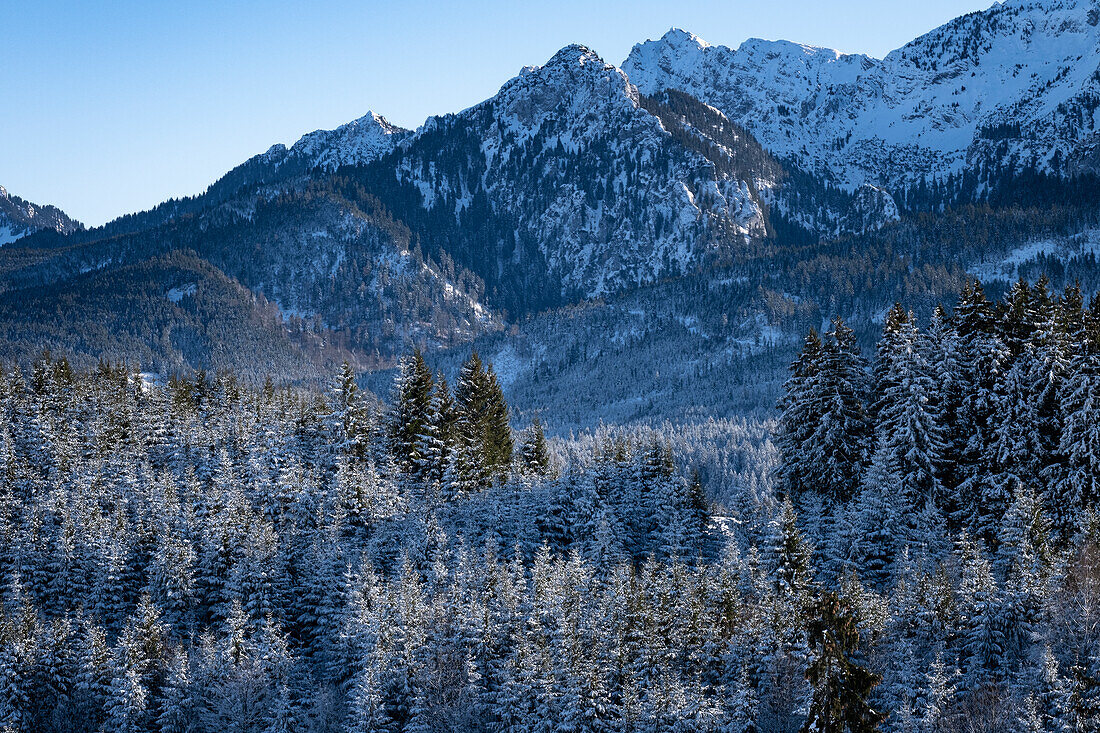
[
  {"x": 436, "y": 437},
  {"x": 840, "y": 444},
  {"x": 800, "y": 413},
  {"x": 411, "y": 411},
  {"x": 482, "y": 424},
  {"x": 349, "y": 418},
  {"x": 909, "y": 425},
  {"x": 841, "y": 687},
  {"x": 499, "y": 444},
  {"x": 535, "y": 456},
  {"x": 1074, "y": 482}
]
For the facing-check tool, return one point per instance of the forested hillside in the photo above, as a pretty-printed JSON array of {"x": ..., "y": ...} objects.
[{"x": 919, "y": 554}]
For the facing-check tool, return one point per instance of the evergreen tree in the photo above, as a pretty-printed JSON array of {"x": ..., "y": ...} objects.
[
  {"x": 535, "y": 456},
  {"x": 436, "y": 440},
  {"x": 482, "y": 420},
  {"x": 791, "y": 557},
  {"x": 349, "y": 417},
  {"x": 1084, "y": 713},
  {"x": 842, "y": 687},
  {"x": 411, "y": 411},
  {"x": 499, "y": 444},
  {"x": 908, "y": 424},
  {"x": 800, "y": 413},
  {"x": 1075, "y": 480},
  {"x": 840, "y": 444}
]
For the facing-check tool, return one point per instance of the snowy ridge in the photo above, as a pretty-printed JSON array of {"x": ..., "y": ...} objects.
[
  {"x": 1018, "y": 81},
  {"x": 355, "y": 143},
  {"x": 19, "y": 218},
  {"x": 597, "y": 181}
]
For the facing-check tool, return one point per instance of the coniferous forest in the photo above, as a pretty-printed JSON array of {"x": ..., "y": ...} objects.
[{"x": 914, "y": 548}]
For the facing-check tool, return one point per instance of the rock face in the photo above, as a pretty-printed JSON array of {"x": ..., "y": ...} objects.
[
  {"x": 1015, "y": 85},
  {"x": 19, "y": 218},
  {"x": 357, "y": 143},
  {"x": 590, "y": 182}
]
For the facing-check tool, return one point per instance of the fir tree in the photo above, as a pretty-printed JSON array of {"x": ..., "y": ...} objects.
[
  {"x": 349, "y": 415},
  {"x": 840, "y": 444},
  {"x": 411, "y": 411},
  {"x": 534, "y": 453},
  {"x": 801, "y": 411},
  {"x": 842, "y": 687}
]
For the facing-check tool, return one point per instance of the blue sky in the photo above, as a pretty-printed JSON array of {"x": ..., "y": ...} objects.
[{"x": 112, "y": 107}]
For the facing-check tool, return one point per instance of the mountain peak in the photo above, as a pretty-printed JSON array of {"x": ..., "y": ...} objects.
[
  {"x": 575, "y": 54},
  {"x": 574, "y": 70},
  {"x": 681, "y": 38},
  {"x": 355, "y": 143},
  {"x": 19, "y": 218}
]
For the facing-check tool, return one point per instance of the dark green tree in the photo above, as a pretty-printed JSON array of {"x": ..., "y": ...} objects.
[
  {"x": 499, "y": 444},
  {"x": 411, "y": 410},
  {"x": 800, "y": 410},
  {"x": 841, "y": 440},
  {"x": 482, "y": 427},
  {"x": 841, "y": 687}
]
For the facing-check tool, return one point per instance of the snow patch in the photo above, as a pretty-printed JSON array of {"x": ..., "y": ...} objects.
[
  {"x": 183, "y": 291},
  {"x": 1075, "y": 247}
]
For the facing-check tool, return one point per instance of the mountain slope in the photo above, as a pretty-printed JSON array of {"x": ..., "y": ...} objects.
[
  {"x": 1015, "y": 85},
  {"x": 345, "y": 272},
  {"x": 19, "y": 218},
  {"x": 170, "y": 313},
  {"x": 569, "y": 184}
]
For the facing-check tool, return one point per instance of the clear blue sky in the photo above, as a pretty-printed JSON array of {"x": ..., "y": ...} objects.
[{"x": 112, "y": 107}]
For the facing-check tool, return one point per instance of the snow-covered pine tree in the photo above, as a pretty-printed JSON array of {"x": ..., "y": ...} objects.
[
  {"x": 909, "y": 424},
  {"x": 800, "y": 413},
  {"x": 436, "y": 438},
  {"x": 349, "y": 419},
  {"x": 840, "y": 445},
  {"x": 533, "y": 452},
  {"x": 983, "y": 359},
  {"x": 1074, "y": 481},
  {"x": 880, "y": 515},
  {"x": 411, "y": 411}
]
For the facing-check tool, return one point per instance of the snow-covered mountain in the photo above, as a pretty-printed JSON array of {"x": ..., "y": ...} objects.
[
  {"x": 698, "y": 173},
  {"x": 1017, "y": 84},
  {"x": 358, "y": 142},
  {"x": 568, "y": 175},
  {"x": 19, "y": 218}
]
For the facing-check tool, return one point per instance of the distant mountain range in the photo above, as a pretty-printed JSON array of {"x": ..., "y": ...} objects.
[
  {"x": 1017, "y": 85},
  {"x": 741, "y": 193}
]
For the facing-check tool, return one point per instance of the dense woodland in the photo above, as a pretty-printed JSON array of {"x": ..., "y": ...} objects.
[{"x": 918, "y": 552}]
